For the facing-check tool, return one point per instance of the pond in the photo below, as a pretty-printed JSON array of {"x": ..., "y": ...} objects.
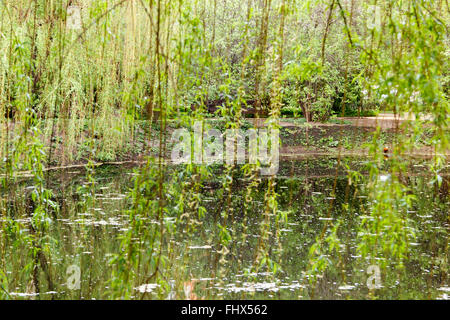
[{"x": 85, "y": 234}]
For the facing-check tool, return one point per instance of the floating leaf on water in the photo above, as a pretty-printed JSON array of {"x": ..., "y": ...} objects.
[
  {"x": 444, "y": 297},
  {"x": 23, "y": 294},
  {"x": 347, "y": 287},
  {"x": 200, "y": 247},
  {"x": 147, "y": 287}
]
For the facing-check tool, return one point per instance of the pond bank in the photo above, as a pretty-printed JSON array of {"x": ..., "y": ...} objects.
[{"x": 346, "y": 137}]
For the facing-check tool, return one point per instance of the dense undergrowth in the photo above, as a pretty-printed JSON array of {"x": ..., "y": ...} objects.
[{"x": 135, "y": 68}]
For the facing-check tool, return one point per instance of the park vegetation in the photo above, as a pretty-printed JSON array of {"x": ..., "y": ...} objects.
[{"x": 82, "y": 80}]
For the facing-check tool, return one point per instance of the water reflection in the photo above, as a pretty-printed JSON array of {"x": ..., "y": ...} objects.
[{"x": 86, "y": 232}]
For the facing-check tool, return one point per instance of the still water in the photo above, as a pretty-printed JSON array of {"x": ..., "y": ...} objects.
[{"x": 85, "y": 234}]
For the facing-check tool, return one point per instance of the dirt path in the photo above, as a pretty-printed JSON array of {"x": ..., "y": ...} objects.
[{"x": 384, "y": 120}]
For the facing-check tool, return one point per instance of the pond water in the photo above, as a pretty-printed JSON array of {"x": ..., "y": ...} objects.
[{"x": 86, "y": 233}]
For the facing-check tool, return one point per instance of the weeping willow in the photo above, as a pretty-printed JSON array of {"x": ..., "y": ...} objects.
[{"x": 86, "y": 82}]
